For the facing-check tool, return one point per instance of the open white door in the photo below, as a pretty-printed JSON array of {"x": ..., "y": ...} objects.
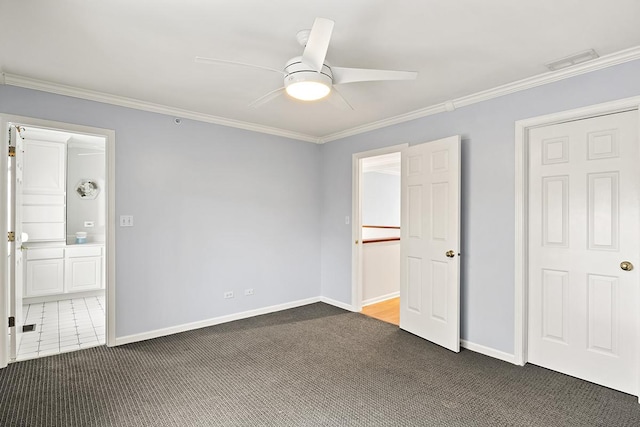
[
  {"x": 15, "y": 248},
  {"x": 430, "y": 242}
]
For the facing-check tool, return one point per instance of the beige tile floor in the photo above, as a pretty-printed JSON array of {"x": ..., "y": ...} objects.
[{"x": 62, "y": 326}]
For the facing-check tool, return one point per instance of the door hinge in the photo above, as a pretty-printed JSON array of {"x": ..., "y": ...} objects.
[
  {"x": 12, "y": 151},
  {"x": 11, "y": 236},
  {"x": 12, "y": 322}
]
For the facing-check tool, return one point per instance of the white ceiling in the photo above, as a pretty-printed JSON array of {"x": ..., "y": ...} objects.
[
  {"x": 385, "y": 163},
  {"x": 145, "y": 49}
]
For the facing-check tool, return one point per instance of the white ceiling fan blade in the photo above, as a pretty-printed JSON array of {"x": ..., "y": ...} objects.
[
  {"x": 213, "y": 61},
  {"x": 352, "y": 75},
  {"x": 338, "y": 100},
  {"x": 266, "y": 98},
  {"x": 316, "y": 50}
]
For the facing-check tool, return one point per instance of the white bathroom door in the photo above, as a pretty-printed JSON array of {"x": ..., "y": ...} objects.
[
  {"x": 15, "y": 250},
  {"x": 430, "y": 242},
  {"x": 584, "y": 211}
]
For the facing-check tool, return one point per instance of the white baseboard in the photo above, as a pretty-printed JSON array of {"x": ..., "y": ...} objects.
[
  {"x": 214, "y": 321},
  {"x": 274, "y": 308},
  {"x": 380, "y": 298},
  {"x": 488, "y": 351},
  {"x": 61, "y": 297},
  {"x": 336, "y": 303}
]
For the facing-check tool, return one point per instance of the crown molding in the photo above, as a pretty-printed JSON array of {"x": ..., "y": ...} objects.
[
  {"x": 610, "y": 60},
  {"x": 519, "y": 85},
  {"x": 60, "y": 89}
]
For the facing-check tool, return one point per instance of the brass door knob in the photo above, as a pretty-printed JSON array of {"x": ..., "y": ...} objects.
[
  {"x": 626, "y": 266},
  {"x": 450, "y": 254}
]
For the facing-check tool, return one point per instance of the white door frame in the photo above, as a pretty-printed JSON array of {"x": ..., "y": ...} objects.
[
  {"x": 521, "y": 206},
  {"x": 110, "y": 285},
  {"x": 356, "y": 220}
]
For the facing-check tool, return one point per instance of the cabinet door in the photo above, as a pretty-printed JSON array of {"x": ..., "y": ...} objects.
[
  {"x": 44, "y": 167},
  {"x": 83, "y": 274},
  {"x": 44, "y": 277}
]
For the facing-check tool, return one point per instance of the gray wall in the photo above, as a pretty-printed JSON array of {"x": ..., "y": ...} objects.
[
  {"x": 215, "y": 209},
  {"x": 488, "y": 241},
  {"x": 220, "y": 209}
]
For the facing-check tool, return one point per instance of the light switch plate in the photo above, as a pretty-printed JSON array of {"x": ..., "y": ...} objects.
[{"x": 126, "y": 220}]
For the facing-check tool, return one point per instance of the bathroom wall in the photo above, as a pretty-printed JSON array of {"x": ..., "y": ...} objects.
[{"x": 85, "y": 163}]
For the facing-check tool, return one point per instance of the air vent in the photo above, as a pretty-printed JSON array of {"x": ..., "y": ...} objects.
[{"x": 576, "y": 58}]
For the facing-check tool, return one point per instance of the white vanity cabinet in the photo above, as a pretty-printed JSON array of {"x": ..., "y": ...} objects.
[
  {"x": 63, "y": 270},
  {"x": 45, "y": 272},
  {"x": 83, "y": 268}
]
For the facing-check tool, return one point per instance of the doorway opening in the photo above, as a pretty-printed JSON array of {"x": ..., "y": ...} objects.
[
  {"x": 380, "y": 228},
  {"x": 59, "y": 291},
  {"x": 429, "y": 266},
  {"x": 373, "y": 293}
]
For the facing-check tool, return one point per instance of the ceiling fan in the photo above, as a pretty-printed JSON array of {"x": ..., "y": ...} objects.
[{"x": 309, "y": 77}]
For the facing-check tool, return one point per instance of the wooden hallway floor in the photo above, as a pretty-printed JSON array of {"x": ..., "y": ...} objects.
[{"x": 387, "y": 311}]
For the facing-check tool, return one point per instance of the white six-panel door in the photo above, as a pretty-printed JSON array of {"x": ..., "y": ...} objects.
[
  {"x": 583, "y": 223},
  {"x": 430, "y": 227},
  {"x": 15, "y": 252}
]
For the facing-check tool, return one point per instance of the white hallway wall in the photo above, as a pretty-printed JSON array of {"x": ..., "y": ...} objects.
[
  {"x": 215, "y": 209},
  {"x": 380, "y": 261},
  {"x": 488, "y": 239},
  {"x": 380, "y": 199}
]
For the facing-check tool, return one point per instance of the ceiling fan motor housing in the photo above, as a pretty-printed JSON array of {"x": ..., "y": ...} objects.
[{"x": 299, "y": 73}]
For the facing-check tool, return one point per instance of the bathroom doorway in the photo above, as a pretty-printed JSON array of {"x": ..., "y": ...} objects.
[{"x": 59, "y": 186}]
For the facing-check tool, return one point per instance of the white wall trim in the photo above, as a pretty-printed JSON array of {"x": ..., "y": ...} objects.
[
  {"x": 338, "y": 304},
  {"x": 157, "y": 333},
  {"x": 381, "y": 298},
  {"x": 488, "y": 351},
  {"x": 605, "y": 61},
  {"x": 75, "y": 92},
  {"x": 521, "y": 210},
  {"x": 50, "y": 298}
]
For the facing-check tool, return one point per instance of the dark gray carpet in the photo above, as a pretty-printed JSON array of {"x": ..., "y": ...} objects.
[{"x": 310, "y": 366}]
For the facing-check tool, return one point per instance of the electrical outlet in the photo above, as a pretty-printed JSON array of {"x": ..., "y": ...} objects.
[
  {"x": 228, "y": 295},
  {"x": 248, "y": 292}
]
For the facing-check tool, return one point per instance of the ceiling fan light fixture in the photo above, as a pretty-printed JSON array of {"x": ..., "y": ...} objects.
[
  {"x": 307, "y": 85},
  {"x": 308, "y": 91}
]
